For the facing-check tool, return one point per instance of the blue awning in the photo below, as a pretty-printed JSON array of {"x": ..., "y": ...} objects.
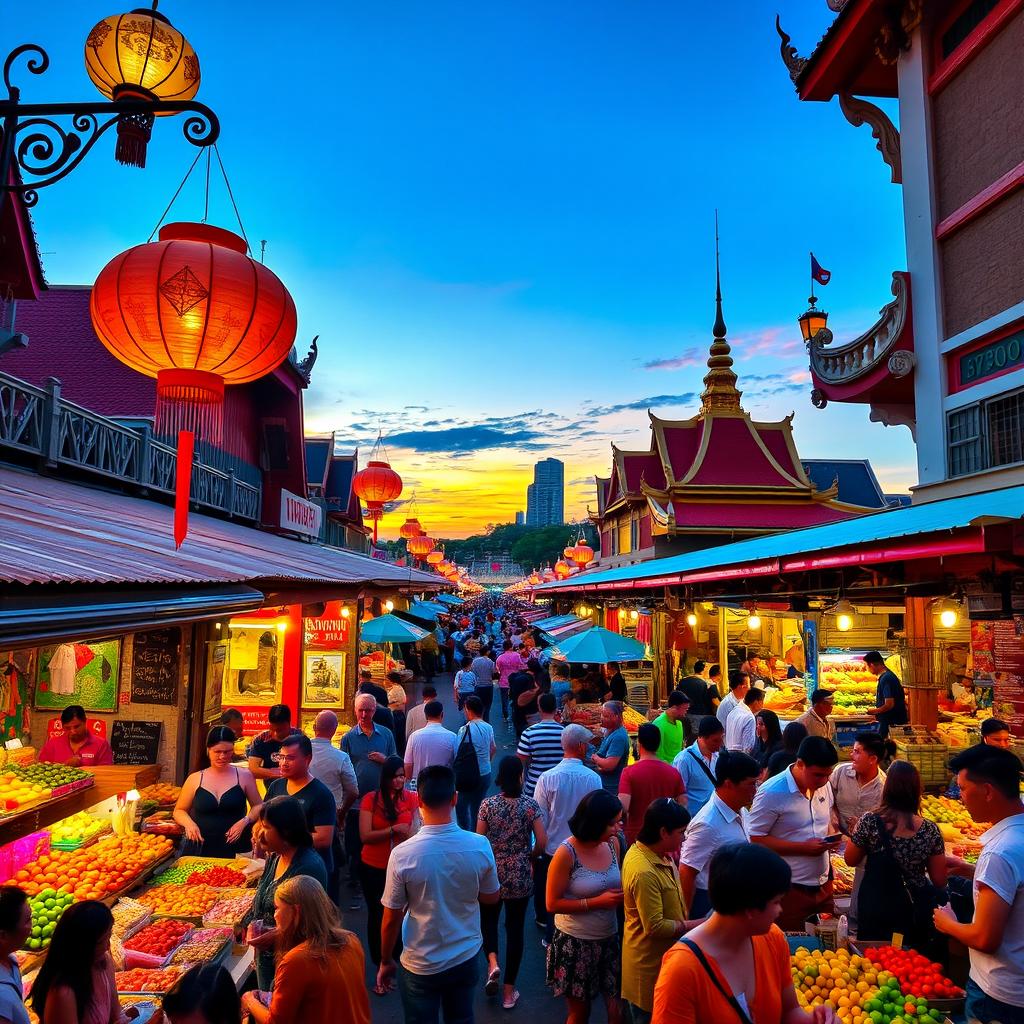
[
  {"x": 423, "y": 610},
  {"x": 900, "y": 524},
  {"x": 451, "y": 599},
  {"x": 551, "y": 621}
]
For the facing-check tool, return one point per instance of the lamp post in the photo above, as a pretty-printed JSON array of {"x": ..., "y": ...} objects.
[
  {"x": 813, "y": 323},
  {"x": 36, "y": 149}
]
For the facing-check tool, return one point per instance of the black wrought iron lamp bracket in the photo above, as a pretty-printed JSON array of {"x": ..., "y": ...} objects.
[{"x": 44, "y": 151}]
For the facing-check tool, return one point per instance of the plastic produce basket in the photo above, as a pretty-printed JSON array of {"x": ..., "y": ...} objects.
[{"x": 923, "y": 750}]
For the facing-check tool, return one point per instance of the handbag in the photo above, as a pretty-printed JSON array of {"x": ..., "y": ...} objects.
[
  {"x": 467, "y": 766},
  {"x": 703, "y": 960}
]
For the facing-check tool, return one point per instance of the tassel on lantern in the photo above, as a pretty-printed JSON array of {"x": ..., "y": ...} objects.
[
  {"x": 133, "y": 135},
  {"x": 183, "y": 485},
  {"x": 190, "y": 400}
]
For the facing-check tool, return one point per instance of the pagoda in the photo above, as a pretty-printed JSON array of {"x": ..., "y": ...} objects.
[{"x": 717, "y": 477}]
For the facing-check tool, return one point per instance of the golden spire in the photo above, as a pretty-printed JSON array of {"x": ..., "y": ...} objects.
[{"x": 720, "y": 392}]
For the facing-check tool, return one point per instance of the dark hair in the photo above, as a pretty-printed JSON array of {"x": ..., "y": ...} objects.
[
  {"x": 435, "y": 786},
  {"x": 560, "y": 669},
  {"x": 388, "y": 770},
  {"x": 737, "y": 679},
  {"x": 734, "y": 766},
  {"x": 715, "y": 670},
  {"x": 991, "y": 726},
  {"x": 871, "y": 743},
  {"x": 817, "y": 752},
  {"x": 772, "y": 726},
  {"x": 433, "y": 709},
  {"x": 677, "y": 699},
  {"x": 74, "y": 946},
  {"x": 547, "y": 703},
  {"x": 993, "y": 765},
  {"x": 753, "y": 696},
  {"x": 429, "y": 691},
  {"x": 663, "y": 813},
  {"x": 506, "y": 645},
  {"x": 613, "y": 665},
  {"x": 873, "y": 658},
  {"x": 698, "y": 666},
  {"x": 595, "y": 812},
  {"x": 649, "y": 737},
  {"x": 288, "y": 817},
  {"x": 220, "y": 734},
  {"x": 474, "y": 703},
  {"x": 510, "y": 776},
  {"x": 279, "y": 713},
  {"x": 300, "y": 740},
  {"x": 12, "y": 899},
  {"x": 901, "y": 793},
  {"x": 71, "y": 713},
  {"x": 793, "y": 735},
  {"x": 746, "y": 876},
  {"x": 709, "y": 726},
  {"x": 466, "y": 661},
  {"x": 394, "y": 677},
  {"x": 206, "y": 989},
  {"x": 231, "y": 715}
]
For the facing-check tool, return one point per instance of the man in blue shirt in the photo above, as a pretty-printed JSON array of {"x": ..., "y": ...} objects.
[
  {"x": 697, "y": 763},
  {"x": 889, "y": 695},
  {"x": 613, "y": 751}
]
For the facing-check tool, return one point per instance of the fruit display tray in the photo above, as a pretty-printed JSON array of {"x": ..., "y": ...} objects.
[
  {"x": 950, "y": 1007},
  {"x": 70, "y": 847},
  {"x": 71, "y": 787}
]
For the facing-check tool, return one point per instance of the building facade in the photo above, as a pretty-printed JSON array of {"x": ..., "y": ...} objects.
[
  {"x": 545, "y": 497},
  {"x": 950, "y": 363}
]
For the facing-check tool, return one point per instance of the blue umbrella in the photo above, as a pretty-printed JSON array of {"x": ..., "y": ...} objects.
[
  {"x": 390, "y": 629},
  {"x": 598, "y": 646}
]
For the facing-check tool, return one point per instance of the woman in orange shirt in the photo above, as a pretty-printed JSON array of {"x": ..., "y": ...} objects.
[
  {"x": 320, "y": 967},
  {"x": 734, "y": 968}
]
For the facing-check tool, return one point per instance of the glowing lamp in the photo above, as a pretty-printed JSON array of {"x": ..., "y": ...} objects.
[
  {"x": 140, "y": 55},
  {"x": 582, "y": 553},
  {"x": 567, "y": 552},
  {"x": 434, "y": 557},
  {"x": 410, "y": 528},
  {"x": 812, "y": 321},
  {"x": 420, "y": 546},
  {"x": 753, "y": 620},
  {"x": 634, "y": 615},
  {"x": 346, "y": 612},
  {"x": 949, "y": 613},
  {"x": 534, "y": 579},
  {"x": 691, "y": 619},
  {"x": 377, "y": 483},
  {"x": 844, "y": 613},
  {"x": 561, "y": 569},
  {"x": 389, "y": 605},
  {"x": 195, "y": 312}
]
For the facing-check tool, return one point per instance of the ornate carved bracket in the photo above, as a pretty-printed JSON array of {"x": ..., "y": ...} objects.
[
  {"x": 895, "y": 34},
  {"x": 793, "y": 61},
  {"x": 859, "y": 112},
  {"x": 306, "y": 366}
]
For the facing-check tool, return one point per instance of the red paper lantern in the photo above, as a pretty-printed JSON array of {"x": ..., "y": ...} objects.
[
  {"x": 567, "y": 552},
  {"x": 434, "y": 557},
  {"x": 410, "y": 528},
  {"x": 376, "y": 484},
  {"x": 582, "y": 553},
  {"x": 195, "y": 312},
  {"x": 561, "y": 569},
  {"x": 420, "y": 545}
]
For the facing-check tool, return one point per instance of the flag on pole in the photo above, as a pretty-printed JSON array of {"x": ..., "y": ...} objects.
[{"x": 819, "y": 273}]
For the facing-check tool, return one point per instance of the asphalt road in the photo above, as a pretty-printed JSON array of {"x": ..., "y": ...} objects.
[{"x": 536, "y": 1003}]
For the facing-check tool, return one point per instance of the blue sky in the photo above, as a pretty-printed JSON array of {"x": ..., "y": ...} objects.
[{"x": 499, "y": 219}]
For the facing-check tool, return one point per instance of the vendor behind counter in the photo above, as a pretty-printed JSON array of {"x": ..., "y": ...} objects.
[{"x": 76, "y": 746}]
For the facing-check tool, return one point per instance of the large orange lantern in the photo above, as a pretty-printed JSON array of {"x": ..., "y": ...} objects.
[
  {"x": 195, "y": 312},
  {"x": 582, "y": 553},
  {"x": 561, "y": 569},
  {"x": 435, "y": 558},
  {"x": 567, "y": 552},
  {"x": 410, "y": 528},
  {"x": 140, "y": 55},
  {"x": 420, "y": 545},
  {"x": 376, "y": 484}
]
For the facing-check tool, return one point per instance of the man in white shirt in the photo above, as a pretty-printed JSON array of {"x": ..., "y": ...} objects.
[
  {"x": 857, "y": 783},
  {"x": 741, "y": 728},
  {"x": 989, "y": 780},
  {"x": 792, "y": 815},
  {"x": 436, "y": 881},
  {"x": 739, "y": 683},
  {"x": 416, "y": 717},
  {"x": 333, "y": 767},
  {"x": 722, "y": 820},
  {"x": 816, "y": 718},
  {"x": 431, "y": 745},
  {"x": 696, "y": 763}
]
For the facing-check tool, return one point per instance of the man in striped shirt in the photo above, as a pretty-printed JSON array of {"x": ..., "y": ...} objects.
[{"x": 540, "y": 746}]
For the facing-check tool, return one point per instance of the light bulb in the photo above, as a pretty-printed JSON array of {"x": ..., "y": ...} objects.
[
  {"x": 390, "y": 605},
  {"x": 282, "y": 626},
  {"x": 948, "y": 617},
  {"x": 691, "y": 619},
  {"x": 844, "y": 622},
  {"x": 345, "y": 613},
  {"x": 753, "y": 621},
  {"x": 844, "y": 613},
  {"x": 634, "y": 615}
]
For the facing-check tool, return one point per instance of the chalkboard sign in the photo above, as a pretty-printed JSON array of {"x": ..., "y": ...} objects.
[
  {"x": 135, "y": 742},
  {"x": 156, "y": 666}
]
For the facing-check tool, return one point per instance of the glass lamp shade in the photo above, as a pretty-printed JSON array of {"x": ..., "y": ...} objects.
[
  {"x": 141, "y": 54},
  {"x": 811, "y": 322}
]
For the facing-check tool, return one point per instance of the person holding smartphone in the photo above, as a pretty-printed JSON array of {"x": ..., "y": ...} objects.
[{"x": 792, "y": 815}]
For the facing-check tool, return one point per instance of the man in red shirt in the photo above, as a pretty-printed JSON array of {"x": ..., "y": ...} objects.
[
  {"x": 647, "y": 780},
  {"x": 76, "y": 746}
]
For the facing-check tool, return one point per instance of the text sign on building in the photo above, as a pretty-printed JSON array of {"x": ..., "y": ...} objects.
[
  {"x": 299, "y": 515},
  {"x": 328, "y": 631},
  {"x": 993, "y": 359}
]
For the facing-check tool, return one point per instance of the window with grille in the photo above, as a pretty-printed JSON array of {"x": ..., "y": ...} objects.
[{"x": 986, "y": 435}]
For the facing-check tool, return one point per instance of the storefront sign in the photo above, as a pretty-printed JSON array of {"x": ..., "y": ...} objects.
[
  {"x": 156, "y": 666},
  {"x": 300, "y": 515},
  {"x": 988, "y": 360},
  {"x": 327, "y": 631},
  {"x": 997, "y": 657},
  {"x": 135, "y": 742}
]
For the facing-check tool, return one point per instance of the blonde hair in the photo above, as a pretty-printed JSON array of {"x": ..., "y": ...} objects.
[{"x": 316, "y": 922}]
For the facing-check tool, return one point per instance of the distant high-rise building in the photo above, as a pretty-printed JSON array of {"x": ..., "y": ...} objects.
[
  {"x": 520, "y": 518},
  {"x": 545, "y": 497}
]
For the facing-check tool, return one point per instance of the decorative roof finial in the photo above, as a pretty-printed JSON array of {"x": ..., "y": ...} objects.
[
  {"x": 720, "y": 393},
  {"x": 795, "y": 64}
]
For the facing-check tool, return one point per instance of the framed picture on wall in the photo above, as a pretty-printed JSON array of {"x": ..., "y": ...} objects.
[
  {"x": 216, "y": 671},
  {"x": 323, "y": 679},
  {"x": 82, "y": 673},
  {"x": 255, "y": 670}
]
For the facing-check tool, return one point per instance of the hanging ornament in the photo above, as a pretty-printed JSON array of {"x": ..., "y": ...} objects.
[
  {"x": 582, "y": 553},
  {"x": 410, "y": 528},
  {"x": 377, "y": 484},
  {"x": 420, "y": 546},
  {"x": 561, "y": 569}
]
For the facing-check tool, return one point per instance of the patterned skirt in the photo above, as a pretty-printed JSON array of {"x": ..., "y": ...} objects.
[{"x": 584, "y": 968}]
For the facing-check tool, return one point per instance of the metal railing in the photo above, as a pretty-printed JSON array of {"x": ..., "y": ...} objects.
[{"x": 38, "y": 421}]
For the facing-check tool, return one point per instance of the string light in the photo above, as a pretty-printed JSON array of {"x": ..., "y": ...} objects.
[{"x": 389, "y": 605}]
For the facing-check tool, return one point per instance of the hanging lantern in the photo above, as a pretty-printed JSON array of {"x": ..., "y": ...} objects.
[
  {"x": 377, "y": 484},
  {"x": 410, "y": 528},
  {"x": 567, "y": 552},
  {"x": 534, "y": 579},
  {"x": 561, "y": 569},
  {"x": 582, "y": 553},
  {"x": 434, "y": 557},
  {"x": 195, "y": 312},
  {"x": 420, "y": 545},
  {"x": 140, "y": 56}
]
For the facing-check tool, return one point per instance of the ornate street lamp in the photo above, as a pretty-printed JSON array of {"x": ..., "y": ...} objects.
[
  {"x": 142, "y": 63},
  {"x": 813, "y": 322}
]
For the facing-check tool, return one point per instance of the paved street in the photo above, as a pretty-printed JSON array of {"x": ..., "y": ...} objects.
[{"x": 536, "y": 1002}]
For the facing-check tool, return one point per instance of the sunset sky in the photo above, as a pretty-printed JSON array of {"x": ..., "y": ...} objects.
[{"x": 499, "y": 218}]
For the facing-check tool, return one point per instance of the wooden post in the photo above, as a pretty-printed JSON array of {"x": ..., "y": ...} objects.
[{"x": 924, "y": 675}]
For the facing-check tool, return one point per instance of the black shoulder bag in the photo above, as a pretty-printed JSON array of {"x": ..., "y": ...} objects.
[
  {"x": 467, "y": 767},
  {"x": 703, "y": 960}
]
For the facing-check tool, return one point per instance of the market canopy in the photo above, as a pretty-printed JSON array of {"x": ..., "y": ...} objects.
[
  {"x": 390, "y": 629},
  {"x": 451, "y": 599},
  {"x": 425, "y": 610},
  {"x": 916, "y": 531},
  {"x": 598, "y": 646},
  {"x": 570, "y": 627},
  {"x": 551, "y": 621}
]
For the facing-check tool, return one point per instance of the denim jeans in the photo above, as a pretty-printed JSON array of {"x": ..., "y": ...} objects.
[
  {"x": 486, "y": 695},
  {"x": 982, "y": 1007},
  {"x": 450, "y": 993},
  {"x": 468, "y": 806},
  {"x": 504, "y": 702}
]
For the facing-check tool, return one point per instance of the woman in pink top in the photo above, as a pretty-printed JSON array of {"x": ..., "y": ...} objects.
[
  {"x": 508, "y": 662},
  {"x": 75, "y": 985}
]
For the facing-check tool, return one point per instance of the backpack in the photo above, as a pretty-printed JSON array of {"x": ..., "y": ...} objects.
[{"x": 467, "y": 766}]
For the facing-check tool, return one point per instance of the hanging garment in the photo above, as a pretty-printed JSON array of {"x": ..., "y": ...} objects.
[{"x": 62, "y": 670}]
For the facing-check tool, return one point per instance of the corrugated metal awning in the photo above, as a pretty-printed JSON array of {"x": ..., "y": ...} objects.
[{"x": 53, "y": 531}]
